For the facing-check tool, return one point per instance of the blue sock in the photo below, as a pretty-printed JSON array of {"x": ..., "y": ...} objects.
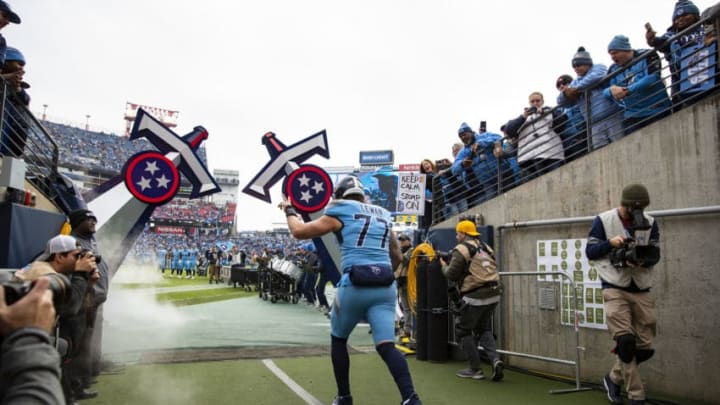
[
  {"x": 341, "y": 365},
  {"x": 398, "y": 367}
]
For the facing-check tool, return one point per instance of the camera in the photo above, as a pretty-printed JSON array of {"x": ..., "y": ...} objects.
[
  {"x": 441, "y": 254},
  {"x": 630, "y": 253},
  {"x": 531, "y": 110},
  {"x": 59, "y": 285},
  {"x": 84, "y": 252}
]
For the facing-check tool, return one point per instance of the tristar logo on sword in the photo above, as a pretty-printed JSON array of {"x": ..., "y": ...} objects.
[
  {"x": 153, "y": 177},
  {"x": 308, "y": 186}
]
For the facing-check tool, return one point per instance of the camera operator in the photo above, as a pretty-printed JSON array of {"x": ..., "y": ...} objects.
[
  {"x": 29, "y": 363},
  {"x": 63, "y": 256},
  {"x": 472, "y": 269},
  {"x": 623, "y": 242}
]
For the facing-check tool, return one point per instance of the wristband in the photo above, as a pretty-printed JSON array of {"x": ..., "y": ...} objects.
[{"x": 290, "y": 211}]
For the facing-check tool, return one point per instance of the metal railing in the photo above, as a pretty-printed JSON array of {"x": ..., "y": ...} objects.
[
  {"x": 25, "y": 138},
  {"x": 576, "y": 332},
  {"x": 689, "y": 76}
]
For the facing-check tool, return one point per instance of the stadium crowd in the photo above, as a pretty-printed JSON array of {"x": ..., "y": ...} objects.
[{"x": 100, "y": 152}]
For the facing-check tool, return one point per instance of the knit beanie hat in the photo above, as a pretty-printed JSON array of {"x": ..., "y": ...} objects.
[
  {"x": 683, "y": 7},
  {"x": 619, "y": 43},
  {"x": 78, "y": 216},
  {"x": 635, "y": 195},
  {"x": 464, "y": 127},
  {"x": 564, "y": 79},
  {"x": 582, "y": 57}
]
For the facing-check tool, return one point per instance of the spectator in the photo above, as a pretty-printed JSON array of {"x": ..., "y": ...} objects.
[
  {"x": 477, "y": 164},
  {"x": 605, "y": 124},
  {"x": 453, "y": 186},
  {"x": 14, "y": 128},
  {"x": 427, "y": 167},
  {"x": 506, "y": 150},
  {"x": 540, "y": 148},
  {"x": 638, "y": 86},
  {"x": 29, "y": 364},
  {"x": 574, "y": 137},
  {"x": 692, "y": 56},
  {"x": 7, "y": 16}
]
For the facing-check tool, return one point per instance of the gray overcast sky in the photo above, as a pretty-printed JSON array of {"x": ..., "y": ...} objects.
[{"x": 398, "y": 75}]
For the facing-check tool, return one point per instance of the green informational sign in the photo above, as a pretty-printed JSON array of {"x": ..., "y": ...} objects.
[{"x": 568, "y": 256}]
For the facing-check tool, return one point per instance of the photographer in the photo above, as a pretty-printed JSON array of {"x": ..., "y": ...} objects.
[
  {"x": 623, "y": 242},
  {"x": 472, "y": 269},
  {"x": 29, "y": 364}
]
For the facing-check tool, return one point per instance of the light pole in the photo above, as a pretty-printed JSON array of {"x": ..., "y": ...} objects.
[
  {"x": 87, "y": 122},
  {"x": 44, "y": 117}
]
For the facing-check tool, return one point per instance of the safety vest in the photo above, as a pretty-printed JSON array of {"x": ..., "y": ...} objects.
[
  {"x": 623, "y": 276},
  {"x": 482, "y": 268}
]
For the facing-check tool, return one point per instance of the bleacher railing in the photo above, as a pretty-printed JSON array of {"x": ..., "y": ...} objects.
[
  {"x": 24, "y": 137},
  {"x": 692, "y": 76}
]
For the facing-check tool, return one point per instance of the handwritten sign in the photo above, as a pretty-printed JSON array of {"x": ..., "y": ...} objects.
[{"x": 411, "y": 193}]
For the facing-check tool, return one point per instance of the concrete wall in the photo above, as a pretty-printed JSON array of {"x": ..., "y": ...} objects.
[{"x": 678, "y": 159}]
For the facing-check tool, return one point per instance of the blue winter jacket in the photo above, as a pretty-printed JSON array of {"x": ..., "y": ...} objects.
[
  {"x": 600, "y": 106},
  {"x": 484, "y": 162},
  {"x": 647, "y": 96},
  {"x": 693, "y": 65}
]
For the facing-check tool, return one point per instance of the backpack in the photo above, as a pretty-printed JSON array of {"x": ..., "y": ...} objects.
[{"x": 481, "y": 276}]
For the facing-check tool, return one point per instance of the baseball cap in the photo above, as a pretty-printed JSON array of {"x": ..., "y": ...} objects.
[
  {"x": 467, "y": 227},
  {"x": 11, "y": 15},
  {"x": 58, "y": 244}
]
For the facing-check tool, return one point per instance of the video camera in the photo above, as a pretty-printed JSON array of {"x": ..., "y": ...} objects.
[
  {"x": 630, "y": 253},
  {"x": 16, "y": 289}
]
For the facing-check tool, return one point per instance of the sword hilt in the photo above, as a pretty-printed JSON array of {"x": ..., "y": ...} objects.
[{"x": 273, "y": 145}]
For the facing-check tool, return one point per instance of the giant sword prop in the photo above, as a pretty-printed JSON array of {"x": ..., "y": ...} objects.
[
  {"x": 150, "y": 178},
  {"x": 313, "y": 186}
]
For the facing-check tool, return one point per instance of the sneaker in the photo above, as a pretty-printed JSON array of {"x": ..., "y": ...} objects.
[
  {"x": 613, "y": 391},
  {"x": 412, "y": 400},
  {"x": 344, "y": 400},
  {"x": 470, "y": 373},
  {"x": 498, "y": 370}
]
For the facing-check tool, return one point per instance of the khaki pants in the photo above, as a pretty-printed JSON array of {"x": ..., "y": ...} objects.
[{"x": 630, "y": 314}]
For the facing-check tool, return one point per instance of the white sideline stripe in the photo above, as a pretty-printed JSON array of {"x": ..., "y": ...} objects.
[{"x": 295, "y": 387}]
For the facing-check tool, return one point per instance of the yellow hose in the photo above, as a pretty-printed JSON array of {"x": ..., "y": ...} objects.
[{"x": 423, "y": 249}]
